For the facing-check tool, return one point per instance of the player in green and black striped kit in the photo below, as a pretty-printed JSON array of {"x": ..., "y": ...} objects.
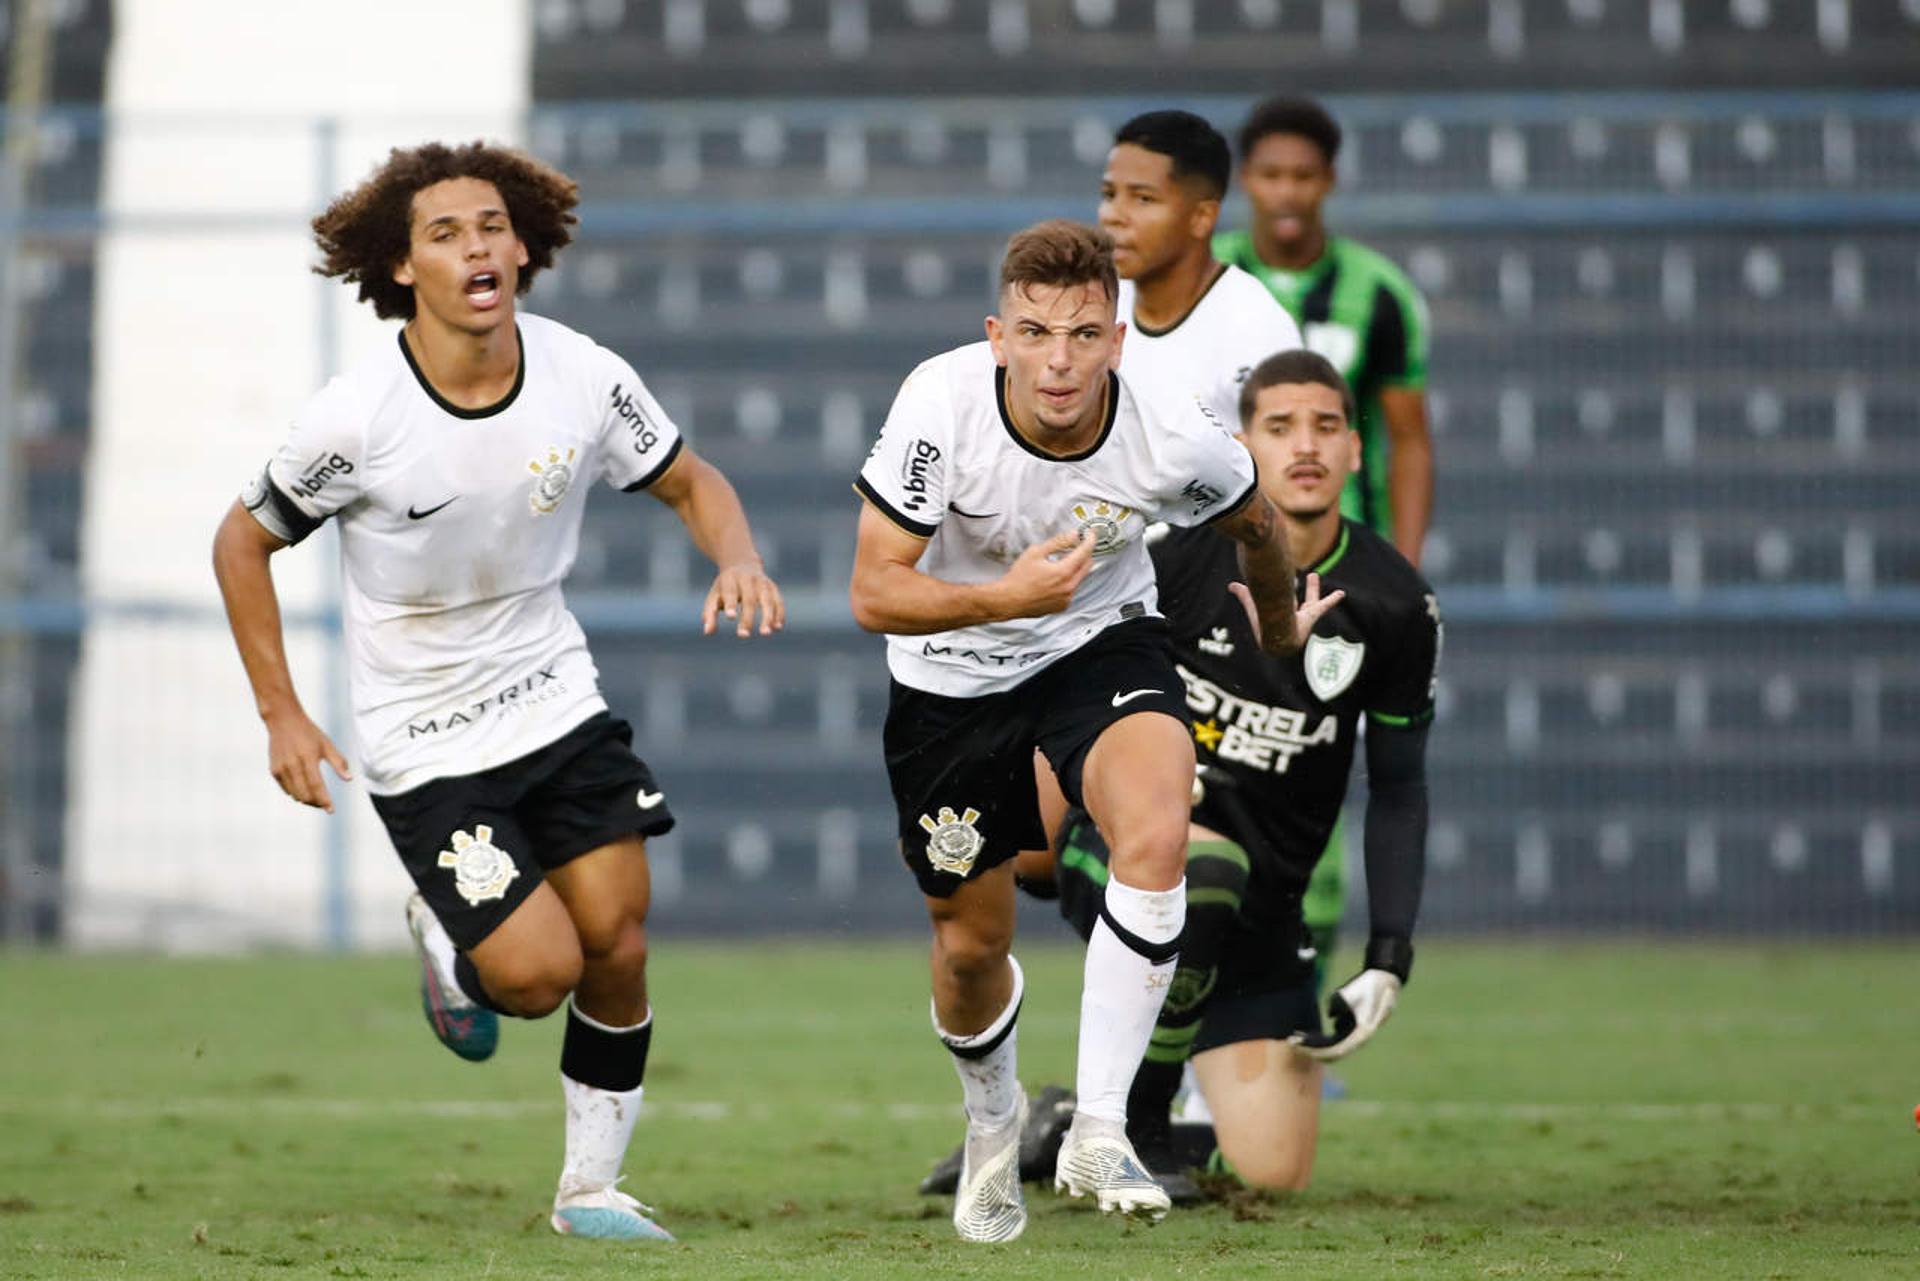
[{"x": 1360, "y": 311}]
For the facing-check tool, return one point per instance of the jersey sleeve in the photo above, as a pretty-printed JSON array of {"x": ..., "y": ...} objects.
[
  {"x": 638, "y": 442},
  {"x": 1275, "y": 331},
  {"x": 1212, "y": 474},
  {"x": 319, "y": 469},
  {"x": 905, "y": 475},
  {"x": 1397, "y": 338},
  {"x": 1265, "y": 329},
  {"x": 1404, "y": 695}
]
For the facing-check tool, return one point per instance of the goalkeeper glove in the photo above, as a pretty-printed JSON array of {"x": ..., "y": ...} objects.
[{"x": 1362, "y": 1003}]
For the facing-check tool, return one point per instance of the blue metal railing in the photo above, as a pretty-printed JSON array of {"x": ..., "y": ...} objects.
[{"x": 650, "y": 614}]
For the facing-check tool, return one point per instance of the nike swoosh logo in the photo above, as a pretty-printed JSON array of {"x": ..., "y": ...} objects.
[
  {"x": 647, "y": 800},
  {"x": 414, "y": 513},
  {"x": 1119, "y": 699},
  {"x": 956, "y": 510}
]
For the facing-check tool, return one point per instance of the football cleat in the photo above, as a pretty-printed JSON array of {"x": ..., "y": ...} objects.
[
  {"x": 1096, "y": 1160},
  {"x": 988, "y": 1205},
  {"x": 469, "y": 1030},
  {"x": 606, "y": 1213},
  {"x": 1171, "y": 1175},
  {"x": 1048, "y": 1115}
]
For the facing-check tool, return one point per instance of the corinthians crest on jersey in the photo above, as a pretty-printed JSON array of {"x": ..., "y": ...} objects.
[
  {"x": 552, "y": 477},
  {"x": 481, "y": 870},
  {"x": 1105, "y": 523},
  {"x": 953, "y": 842},
  {"x": 952, "y": 467}
]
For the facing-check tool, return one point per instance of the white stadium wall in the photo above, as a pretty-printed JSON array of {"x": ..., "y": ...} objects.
[{"x": 211, "y": 330}]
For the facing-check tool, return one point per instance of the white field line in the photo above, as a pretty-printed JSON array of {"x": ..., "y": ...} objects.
[{"x": 144, "y": 1109}]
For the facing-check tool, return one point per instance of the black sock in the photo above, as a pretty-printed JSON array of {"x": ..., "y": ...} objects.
[
  {"x": 1080, "y": 877},
  {"x": 1150, "y": 1099},
  {"x": 605, "y": 1060},
  {"x": 1193, "y": 1144},
  {"x": 468, "y": 977}
]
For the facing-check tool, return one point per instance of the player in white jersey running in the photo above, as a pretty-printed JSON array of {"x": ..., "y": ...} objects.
[
  {"x": 1194, "y": 326},
  {"x": 454, "y": 462},
  {"x": 999, "y": 549},
  {"x": 1195, "y": 329}
]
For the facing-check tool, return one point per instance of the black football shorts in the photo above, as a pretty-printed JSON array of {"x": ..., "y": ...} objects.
[
  {"x": 962, "y": 768},
  {"x": 478, "y": 844}
]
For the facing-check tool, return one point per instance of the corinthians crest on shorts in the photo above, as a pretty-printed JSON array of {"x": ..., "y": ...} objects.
[
  {"x": 953, "y": 842},
  {"x": 1332, "y": 662},
  {"x": 481, "y": 869},
  {"x": 552, "y": 479}
]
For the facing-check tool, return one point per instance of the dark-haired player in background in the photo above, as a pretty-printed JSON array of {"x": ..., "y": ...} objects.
[
  {"x": 1360, "y": 311},
  {"x": 1195, "y": 326},
  {"x": 455, "y": 462}
]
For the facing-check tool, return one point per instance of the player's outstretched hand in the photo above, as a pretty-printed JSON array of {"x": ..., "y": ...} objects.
[
  {"x": 295, "y": 748},
  {"x": 1306, "y": 612},
  {"x": 1358, "y": 1009},
  {"x": 1045, "y": 577},
  {"x": 744, "y": 592}
]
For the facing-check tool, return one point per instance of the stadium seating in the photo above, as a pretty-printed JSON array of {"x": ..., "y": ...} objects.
[
  {"x": 1667, "y": 370},
  {"x": 52, "y": 414},
  {"x": 614, "y": 49},
  {"x": 1673, "y": 334}
]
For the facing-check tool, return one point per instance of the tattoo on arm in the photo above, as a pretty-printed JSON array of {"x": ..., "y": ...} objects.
[
  {"x": 1254, "y": 523},
  {"x": 1268, "y": 569}
]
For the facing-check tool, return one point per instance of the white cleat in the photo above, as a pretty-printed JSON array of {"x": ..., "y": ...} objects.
[
  {"x": 988, "y": 1205},
  {"x": 1097, "y": 1160},
  {"x": 607, "y": 1213}
]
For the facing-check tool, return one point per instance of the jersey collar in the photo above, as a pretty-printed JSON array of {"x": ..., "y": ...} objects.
[
  {"x": 1294, "y": 278},
  {"x": 1150, "y": 332},
  {"x": 485, "y": 411},
  {"x": 1339, "y": 552},
  {"x": 1006, "y": 419}
]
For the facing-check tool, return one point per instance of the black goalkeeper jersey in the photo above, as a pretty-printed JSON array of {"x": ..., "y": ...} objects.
[{"x": 1282, "y": 730}]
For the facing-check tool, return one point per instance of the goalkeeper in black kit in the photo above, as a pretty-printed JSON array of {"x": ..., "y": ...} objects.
[{"x": 1275, "y": 739}]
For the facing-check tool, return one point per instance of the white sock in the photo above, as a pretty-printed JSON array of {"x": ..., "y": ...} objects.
[
  {"x": 990, "y": 1081},
  {"x": 1123, "y": 993},
  {"x": 599, "y": 1124}
]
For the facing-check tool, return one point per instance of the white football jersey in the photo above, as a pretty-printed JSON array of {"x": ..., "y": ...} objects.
[
  {"x": 456, "y": 529},
  {"x": 1208, "y": 352},
  {"x": 951, "y": 468}
]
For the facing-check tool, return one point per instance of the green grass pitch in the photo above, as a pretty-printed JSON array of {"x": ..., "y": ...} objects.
[{"x": 1535, "y": 1109}]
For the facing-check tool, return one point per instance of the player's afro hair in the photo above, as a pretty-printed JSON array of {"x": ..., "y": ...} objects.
[
  {"x": 1196, "y": 148},
  {"x": 1302, "y": 116},
  {"x": 366, "y": 233}
]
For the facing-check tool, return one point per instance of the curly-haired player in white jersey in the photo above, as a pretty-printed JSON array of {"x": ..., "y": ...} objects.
[
  {"x": 1000, "y": 551},
  {"x": 454, "y": 461}
]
